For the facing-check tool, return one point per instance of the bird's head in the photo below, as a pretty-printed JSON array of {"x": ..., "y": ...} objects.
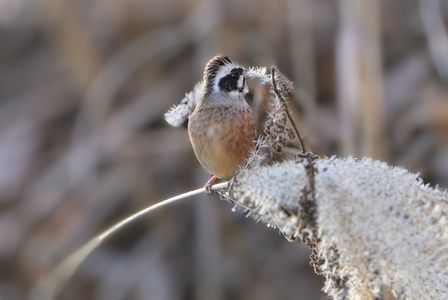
[{"x": 222, "y": 76}]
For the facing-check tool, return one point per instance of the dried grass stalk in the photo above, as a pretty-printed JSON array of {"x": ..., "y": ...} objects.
[{"x": 49, "y": 286}]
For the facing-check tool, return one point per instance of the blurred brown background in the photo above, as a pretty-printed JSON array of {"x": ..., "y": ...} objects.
[{"x": 83, "y": 88}]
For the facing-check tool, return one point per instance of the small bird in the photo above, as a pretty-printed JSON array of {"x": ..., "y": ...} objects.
[{"x": 221, "y": 123}]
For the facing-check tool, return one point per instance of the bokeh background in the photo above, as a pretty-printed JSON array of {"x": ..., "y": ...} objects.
[{"x": 83, "y": 88}]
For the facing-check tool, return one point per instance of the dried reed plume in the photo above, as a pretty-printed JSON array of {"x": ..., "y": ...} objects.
[{"x": 371, "y": 227}]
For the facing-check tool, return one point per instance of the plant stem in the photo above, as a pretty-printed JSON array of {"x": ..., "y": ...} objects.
[
  {"x": 49, "y": 287},
  {"x": 285, "y": 105}
]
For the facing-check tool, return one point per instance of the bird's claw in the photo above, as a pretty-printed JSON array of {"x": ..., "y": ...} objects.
[
  {"x": 210, "y": 183},
  {"x": 208, "y": 188}
]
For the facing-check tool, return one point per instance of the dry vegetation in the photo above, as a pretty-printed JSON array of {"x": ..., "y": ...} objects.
[{"x": 84, "y": 85}]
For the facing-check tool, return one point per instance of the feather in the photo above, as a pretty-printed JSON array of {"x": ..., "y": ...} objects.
[{"x": 212, "y": 68}]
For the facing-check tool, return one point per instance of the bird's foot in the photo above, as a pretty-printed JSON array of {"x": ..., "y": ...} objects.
[{"x": 210, "y": 183}]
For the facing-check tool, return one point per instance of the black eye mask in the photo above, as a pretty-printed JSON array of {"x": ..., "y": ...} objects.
[{"x": 230, "y": 82}]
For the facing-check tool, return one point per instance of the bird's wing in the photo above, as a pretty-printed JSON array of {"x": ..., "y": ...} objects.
[{"x": 178, "y": 114}]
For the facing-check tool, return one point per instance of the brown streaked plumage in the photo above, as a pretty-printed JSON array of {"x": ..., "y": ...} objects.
[
  {"x": 221, "y": 127},
  {"x": 222, "y": 138}
]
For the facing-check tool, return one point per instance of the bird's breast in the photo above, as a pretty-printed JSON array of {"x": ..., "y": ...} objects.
[{"x": 222, "y": 137}]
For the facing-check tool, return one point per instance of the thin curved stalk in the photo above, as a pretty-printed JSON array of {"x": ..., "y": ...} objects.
[
  {"x": 50, "y": 286},
  {"x": 285, "y": 105}
]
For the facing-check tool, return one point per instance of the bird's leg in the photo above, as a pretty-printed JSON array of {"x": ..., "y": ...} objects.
[{"x": 210, "y": 182}]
